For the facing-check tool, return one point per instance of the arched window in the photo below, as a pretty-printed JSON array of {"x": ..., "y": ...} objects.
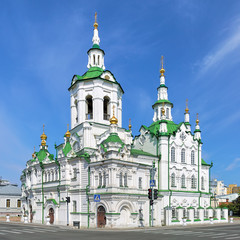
[
  {"x": 192, "y": 157},
  {"x": 45, "y": 177},
  {"x": 140, "y": 183},
  {"x": 76, "y": 106},
  {"x": 202, "y": 183},
  {"x": 53, "y": 179},
  {"x": 100, "y": 180},
  {"x": 120, "y": 179},
  {"x": 49, "y": 177},
  {"x": 125, "y": 180},
  {"x": 106, "y": 107},
  {"x": 183, "y": 185},
  {"x": 56, "y": 174},
  {"x": 156, "y": 114},
  {"x": 8, "y": 203},
  {"x": 167, "y": 113},
  {"x": 98, "y": 60},
  {"x": 94, "y": 60},
  {"x": 104, "y": 179},
  {"x": 18, "y": 203},
  {"x": 89, "y": 103},
  {"x": 183, "y": 156},
  {"x": 173, "y": 180},
  {"x": 193, "y": 182},
  {"x": 172, "y": 154}
]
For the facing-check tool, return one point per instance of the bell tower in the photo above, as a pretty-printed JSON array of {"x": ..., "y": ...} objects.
[{"x": 96, "y": 92}]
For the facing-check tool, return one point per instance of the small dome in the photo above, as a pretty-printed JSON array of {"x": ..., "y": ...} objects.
[
  {"x": 68, "y": 134},
  {"x": 113, "y": 120}
]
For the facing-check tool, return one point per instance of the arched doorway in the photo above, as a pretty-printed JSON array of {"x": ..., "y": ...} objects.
[
  {"x": 51, "y": 215},
  {"x": 125, "y": 219},
  {"x": 101, "y": 218}
]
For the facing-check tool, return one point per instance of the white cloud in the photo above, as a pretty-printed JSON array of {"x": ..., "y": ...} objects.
[
  {"x": 230, "y": 44},
  {"x": 235, "y": 164}
]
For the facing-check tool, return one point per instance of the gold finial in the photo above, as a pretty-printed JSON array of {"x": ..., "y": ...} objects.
[
  {"x": 113, "y": 119},
  {"x": 67, "y": 134},
  {"x": 197, "y": 121},
  {"x": 162, "y": 70},
  {"x": 162, "y": 109},
  {"x": 34, "y": 155},
  {"x": 129, "y": 125},
  {"x": 43, "y": 137},
  {"x": 95, "y": 23},
  {"x": 186, "y": 110}
]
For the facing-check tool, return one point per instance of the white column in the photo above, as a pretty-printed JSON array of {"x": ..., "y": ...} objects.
[{"x": 191, "y": 214}]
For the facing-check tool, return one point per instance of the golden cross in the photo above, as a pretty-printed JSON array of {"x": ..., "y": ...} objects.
[
  {"x": 43, "y": 127},
  {"x": 129, "y": 121},
  {"x": 162, "y": 61},
  {"x": 34, "y": 148},
  {"x": 95, "y": 17},
  {"x": 197, "y": 116},
  {"x": 67, "y": 126},
  {"x": 186, "y": 103},
  {"x": 113, "y": 109}
]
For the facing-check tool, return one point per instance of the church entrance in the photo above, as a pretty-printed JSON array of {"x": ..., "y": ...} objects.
[
  {"x": 101, "y": 218},
  {"x": 51, "y": 215}
]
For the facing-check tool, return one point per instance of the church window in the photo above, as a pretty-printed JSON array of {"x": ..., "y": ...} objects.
[
  {"x": 140, "y": 183},
  {"x": 120, "y": 179},
  {"x": 156, "y": 114},
  {"x": 45, "y": 177},
  {"x": 183, "y": 185},
  {"x": 173, "y": 180},
  {"x": 8, "y": 203},
  {"x": 172, "y": 154},
  {"x": 76, "y": 106},
  {"x": 167, "y": 113},
  {"x": 56, "y": 174},
  {"x": 18, "y": 203},
  {"x": 183, "y": 156},
  {"x": 94, "y": 61},
  {"x": 98, "y": 60},
  {"x": 202, "y": 183},
  {"x": 125, "y": 180},
  {"x": 173, "y": 212},
  {"x": 106, "y": 106},
  {"x": 104, "y": 179},
  {"x": 193, "y": 181},
  {"x": 74, "y": 206},
  {"x": 53, "y": 176},
  {"x": 49, "y": 177},
  {"x": 100, "y": 180},
  {"x": 192, "y": 157},
  {"x": 89, "y": 102}
]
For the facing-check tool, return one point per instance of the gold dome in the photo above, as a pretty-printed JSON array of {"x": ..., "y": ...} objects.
[
  {"x": 113, "y": 119},
  {"x": 68, "y": 134},
  {"x": 95, "y": 23},
  {"x": 43, "y": 137}
]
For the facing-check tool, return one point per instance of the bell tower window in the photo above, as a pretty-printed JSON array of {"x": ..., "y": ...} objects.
[
  {"x": 76, "y": 106},
  {"x": 98, "y": 60},
  {"x": 106, "y": 107},
  {"x": 94, "y": 60},
  {"x": 89, "y": 106}
]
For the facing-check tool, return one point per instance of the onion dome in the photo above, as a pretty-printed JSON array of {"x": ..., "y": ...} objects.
[
  {"x": 43, "y": 137},
  {"x": 68, "y": 134},
  {"x": 162, "y": 70},
  {"x": 113, "y": 119}
]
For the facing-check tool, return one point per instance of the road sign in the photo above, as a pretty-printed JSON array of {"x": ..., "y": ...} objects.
[
  {"x": 152, "y": 183},
  {"x": 96, "y": 197}
]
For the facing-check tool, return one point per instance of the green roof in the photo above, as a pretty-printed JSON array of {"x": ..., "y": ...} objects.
[
  {"x": 140, "y": 152},
  {"x": 204, "y": 163},
  {"x": 94, "y": 72},
  {"x": 96, "y": 46},
  {"x": 162, "y": 101},
  {"x": 113, "y": 137},
  {"x": 42, "y": 154},
  {"x": 67, "y": 148}
]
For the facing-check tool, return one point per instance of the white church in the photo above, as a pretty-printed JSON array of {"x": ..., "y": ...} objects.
[{"x": 101, "y": 174}]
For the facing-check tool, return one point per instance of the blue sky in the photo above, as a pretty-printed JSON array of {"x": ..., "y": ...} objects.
[{"x": 44, "y": 43}]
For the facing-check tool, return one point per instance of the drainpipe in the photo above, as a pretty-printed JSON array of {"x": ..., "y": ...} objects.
[
  {"x": 59, "y": 175},
  {"x": 198, "y": 173},
  {"x": 41, "y": 165},
  {"x": 87, "y": 190},
  {"x": 169, "y": 172}
]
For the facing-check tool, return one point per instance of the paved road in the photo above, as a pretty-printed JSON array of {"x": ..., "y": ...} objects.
[{"x": 12, "y": 231}]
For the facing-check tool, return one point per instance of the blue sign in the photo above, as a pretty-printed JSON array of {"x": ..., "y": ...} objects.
[
  {"x": 96, "y": 197},
  {"x": 152, "y": 183}
]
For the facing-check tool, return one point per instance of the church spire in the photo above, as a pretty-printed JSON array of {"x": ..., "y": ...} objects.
[
  {"x": 162, "y": 71},
  {"x": 197, "y": 132},
  {"x": 96, "y": 39}
]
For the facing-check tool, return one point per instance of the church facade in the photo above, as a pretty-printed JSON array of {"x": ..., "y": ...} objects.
[{"x": 100, "y": 175}]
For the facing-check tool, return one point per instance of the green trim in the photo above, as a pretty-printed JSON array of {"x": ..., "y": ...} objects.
[
  {"x": 95, "y": 46},
  {"x": 197, "y": 220},
  {"x": 134, "y": 213},
  {"x": 223, "y": 218},
  {"x": 206, "y": 219},
  {"x": 188, "y": 220},
  {"x": 162, "y": 101},
  {"x": 200, "y": 207},
  {"x": 175, "y": 221},
  {"x": 83, "y": 213},
  {"x": 112, "y": 213},
  {"x": 140, "y": 152},
  {"x": 197, "y": 130},
  {"x": 209, "y": 207},
  {"x": 204, "y": 163},
  {"x": 190, "y": 208},
  {"x": 215, "y": 219},
  {"x": 53, "y": 200},
  {"x": 179, "y": 207}
]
